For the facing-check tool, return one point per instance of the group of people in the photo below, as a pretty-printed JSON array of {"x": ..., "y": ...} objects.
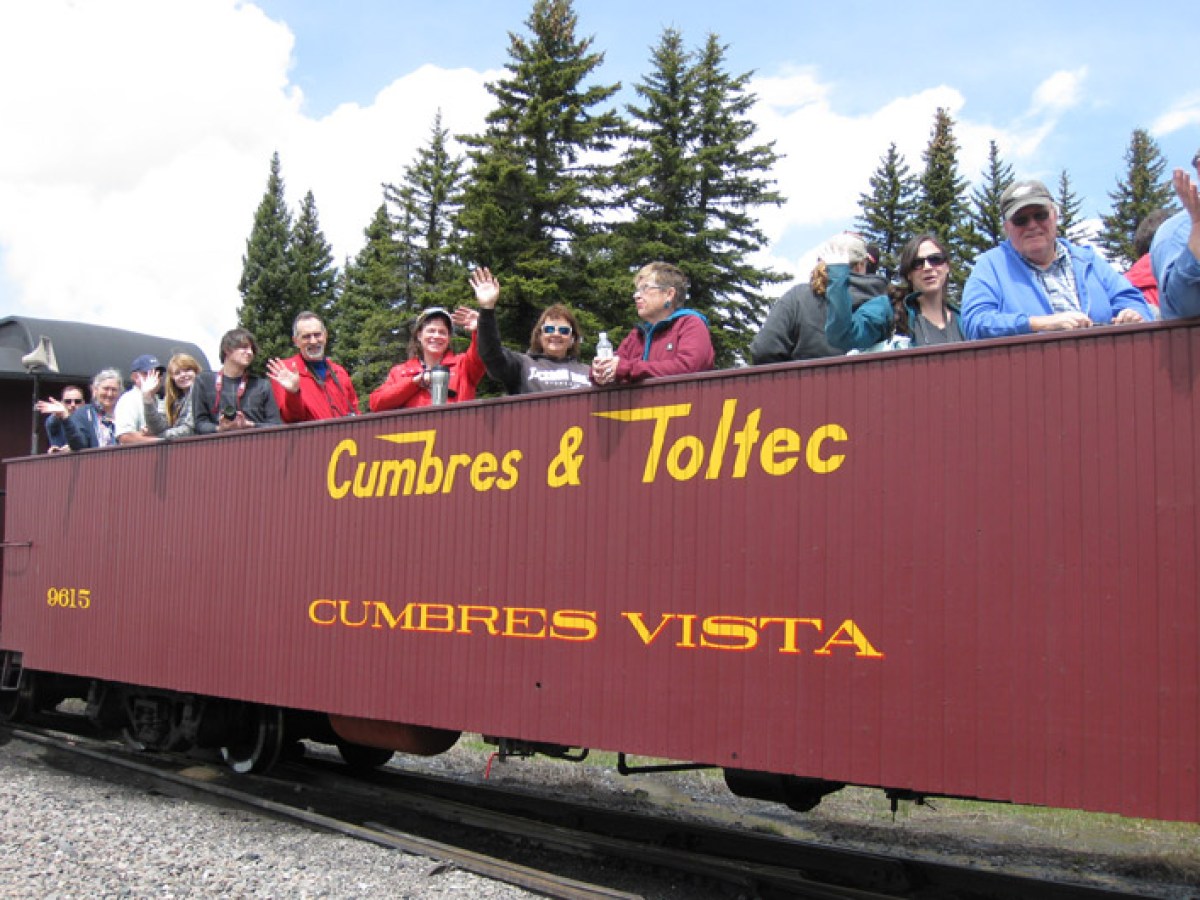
[{"x": 1034, "y": 281}]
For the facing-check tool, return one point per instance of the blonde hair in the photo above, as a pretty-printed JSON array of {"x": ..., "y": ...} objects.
[{"x": 174, "y": 402}]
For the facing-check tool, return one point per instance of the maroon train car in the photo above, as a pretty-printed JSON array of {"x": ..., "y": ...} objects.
[{"x": 965, "y": 571}]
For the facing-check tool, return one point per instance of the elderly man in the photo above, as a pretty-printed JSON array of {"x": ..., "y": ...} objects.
[
  {"x": 1036, "y": 281},
  {"x": 670, "y": 340},
  {"x": 310, "y": 386},
  {"x": 147, "y": 375},
  {"x": 1176, "y": 250}
]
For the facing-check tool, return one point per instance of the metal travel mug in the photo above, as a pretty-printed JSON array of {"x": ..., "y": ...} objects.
[{"x": 439, "y": 384}]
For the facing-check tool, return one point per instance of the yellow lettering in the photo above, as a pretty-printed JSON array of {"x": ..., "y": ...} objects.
[
  {"x": 745, "y": 439},
  {"x": 483, "y": 472},
  {"x": 436, "y": 617},
  {"x": 791, "y": 630},
  {"x": 343, "y": 610},
  {"x": 457, "y": 461},
  {"x": 661, "y": 416},
  {"x": 825, "y": 465},
  {"x": 338, "y": 490},
  {"x": 403, "y": 621},
  {"x": 509, "y": 465},
  {"x": 573, "y": 625},
  {"x": 729, "y": 633},
  {"x": 313, "y": 609},
  {"x": 780, "y": 441},
  {"x": 853, "y": 638},
  {"x": 694, "y": 447},
  {"x": 721, "y": 440},
  {"x": 518, "y": 622},
  {"x": 391, "y": 474},
  {"x": 484, "y": 615},
  {"x": 648, "y": 637}
]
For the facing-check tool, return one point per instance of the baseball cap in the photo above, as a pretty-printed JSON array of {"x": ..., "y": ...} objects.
[
  {"x": 146, "y": 363},
  {"x": 1020, "y": 194},
  {"x": 434, "y": 312}
]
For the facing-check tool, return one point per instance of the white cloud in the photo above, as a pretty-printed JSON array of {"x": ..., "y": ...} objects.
[
  {"x": 1183, "y": 113},
  {"x": 138, "y": 136},
  {"x": 1059, "y": 92}
]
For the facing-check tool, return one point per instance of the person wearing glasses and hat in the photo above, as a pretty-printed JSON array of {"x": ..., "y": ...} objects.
[
  {"x": 147, "y": 375},
  {"x": 407, "y": 384},
  {"x": 552, "y": 363},
  {"x": 1036, "y": 281},
  {"x": 1175, "y": 251}
]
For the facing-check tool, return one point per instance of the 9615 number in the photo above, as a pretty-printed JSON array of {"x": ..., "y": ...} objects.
[{"x": 69, "y": 598}]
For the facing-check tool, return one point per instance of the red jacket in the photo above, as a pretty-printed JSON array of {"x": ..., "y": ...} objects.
[
  {"x": 401, "y": 392},
  {"x": 1141, "y": 276},
  {"x": 678, "y": 345},
  {"x": 331, "y": 400}
]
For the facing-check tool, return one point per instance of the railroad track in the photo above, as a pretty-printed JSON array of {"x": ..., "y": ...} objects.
[{"x": 478, "y": 827}]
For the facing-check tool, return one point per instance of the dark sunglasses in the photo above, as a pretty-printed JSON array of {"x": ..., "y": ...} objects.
[
  {"x": 551, "y": 329},
  {"x": 934, "y": 259},
  {"x": 72, "y": 403},
  {"x": 1021, "y": 219}
]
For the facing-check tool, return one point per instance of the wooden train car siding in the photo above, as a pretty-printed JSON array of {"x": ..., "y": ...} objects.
[{"x": 968, "y": 570}]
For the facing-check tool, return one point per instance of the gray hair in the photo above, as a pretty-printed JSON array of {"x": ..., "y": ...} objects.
[{"x": 106, "y": 375}]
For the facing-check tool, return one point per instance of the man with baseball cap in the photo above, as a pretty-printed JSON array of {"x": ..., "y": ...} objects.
[
  {"x": 1175, "y": 251},
  {"x": 1037, "y": 281},
  {"x": 147, "y": 374}
]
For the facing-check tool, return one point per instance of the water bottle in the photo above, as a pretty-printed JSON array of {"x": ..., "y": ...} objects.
[
  {"x": 439, "y": 385},
  {"x": 603, "y": 347}
]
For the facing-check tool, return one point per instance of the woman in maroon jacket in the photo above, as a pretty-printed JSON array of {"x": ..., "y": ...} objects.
[{"x": 408, "y": 383}]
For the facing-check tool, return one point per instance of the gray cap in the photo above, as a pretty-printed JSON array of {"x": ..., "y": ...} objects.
[{"x": 1020, "y": 194}]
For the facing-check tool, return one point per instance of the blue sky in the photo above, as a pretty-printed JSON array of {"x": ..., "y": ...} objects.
[{"x": 138, "y": 132}]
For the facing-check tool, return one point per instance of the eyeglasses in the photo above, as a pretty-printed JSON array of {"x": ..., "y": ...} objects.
[
  {"x": 1021, "y": 219},
  {"x": 644, "y": 288},
  {"x": 933, "y": 259},
  {"x": 72, "y": 403},
  {"x": 559, "y": 329}
]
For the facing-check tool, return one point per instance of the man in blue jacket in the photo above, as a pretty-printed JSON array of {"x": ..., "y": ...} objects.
[
  {"x": 1175, "y": 252},
  {"x": 1036, "y": 281}
]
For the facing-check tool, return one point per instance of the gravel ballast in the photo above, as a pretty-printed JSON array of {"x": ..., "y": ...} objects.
[{"x": 64, "y": 835}]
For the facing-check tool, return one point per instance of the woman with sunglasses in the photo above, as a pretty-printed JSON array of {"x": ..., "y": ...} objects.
[
  {"x": 176, "y": 419},
  {"x": 552, "y": 363},
  {"x": 407, "y": 384},
  {"x": 913, "y": 313}
]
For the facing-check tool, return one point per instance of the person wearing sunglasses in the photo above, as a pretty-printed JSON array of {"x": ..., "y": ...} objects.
[
  {"x": 69, "y": 400},
  {"x": 1175, "y": 250},
  {"x": 670, "y": 340},
  {"x": 407, "y": 384},
  {"x": 88, "y": 425},
  {"x": 1036, "y": 281},
  {"x": 552, "y": 363},
  {"x": 916, "y": 312}
]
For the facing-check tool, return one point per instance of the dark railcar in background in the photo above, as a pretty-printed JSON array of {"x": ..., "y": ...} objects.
[{"x": 965, "y": 571}]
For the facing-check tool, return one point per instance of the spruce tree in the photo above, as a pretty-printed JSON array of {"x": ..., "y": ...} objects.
[
  {"x": 690, "y": 178},
  {"x": 425, "y": 205},
  {"x": 942, "y": 209},
  {"x": 985, "y": 223},
  {"x": 367, "y": 323},
  {"x": 314, "y": 276},
  {"x": 888, "y": 210},
  {"x": 530, "y": 206},
  {"x": 1070, "y": 211},
  {"x": 266, "y": 283},
  {"x": 732, "y": 182},
  {"x": 1143, "y": 190}
]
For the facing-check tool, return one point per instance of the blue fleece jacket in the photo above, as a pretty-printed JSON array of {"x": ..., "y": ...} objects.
[{"x": 1002, "y": 292}]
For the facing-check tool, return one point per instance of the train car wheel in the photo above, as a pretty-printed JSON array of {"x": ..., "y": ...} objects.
[
  {"x": 258, "y": 742},
  {"x": 360, "y": 756},
  {"x": 19, "y": 705}
]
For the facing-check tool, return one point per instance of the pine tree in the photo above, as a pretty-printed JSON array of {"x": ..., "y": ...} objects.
[
  {"x": 1141, "y": 192},
  {"x": 1070, "y": 211},
  {"x": 426, "y": 203},
  {"x": 367, "y": 322},
  {"x": 314, "y": 276},
  {"x": 266, "y": 282},
  {"x": 689, "y": 179},
  {"x": 942, "y": 209},
  {"x": 888, "y": 211},
  {"x": 985, "y": 223},
  {"x": 529, "y": 208}
]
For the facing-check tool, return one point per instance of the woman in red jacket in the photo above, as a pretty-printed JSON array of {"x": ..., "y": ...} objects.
[{"x": 408, "y": 383}]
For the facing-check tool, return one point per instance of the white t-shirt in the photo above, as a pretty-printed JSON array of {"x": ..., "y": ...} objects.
[{"x": 130, "y": 415}]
